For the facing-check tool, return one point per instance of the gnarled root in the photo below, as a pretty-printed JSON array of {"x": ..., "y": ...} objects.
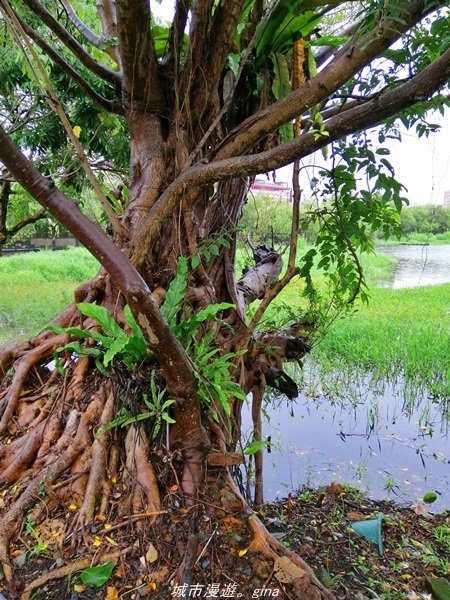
[{"x": 288, "y": 567}]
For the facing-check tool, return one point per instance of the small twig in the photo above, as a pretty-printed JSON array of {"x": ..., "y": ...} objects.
[{"x": 206, "y": 545}]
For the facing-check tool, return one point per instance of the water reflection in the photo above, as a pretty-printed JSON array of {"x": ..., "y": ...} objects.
[
  {"x": 377, "y": 442},
  {"x": 418, "y": 265}
]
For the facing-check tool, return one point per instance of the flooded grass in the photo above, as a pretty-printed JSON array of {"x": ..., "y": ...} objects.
[
  {"x": 34, "y": 287},
  {"x": 401, "y": 333}
]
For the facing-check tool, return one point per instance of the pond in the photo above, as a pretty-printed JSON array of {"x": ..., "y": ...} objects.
[
  {"x": 418, "y": 265},
  {"x": 373, "y": 434},
  {"x": 372, "y": 438}
]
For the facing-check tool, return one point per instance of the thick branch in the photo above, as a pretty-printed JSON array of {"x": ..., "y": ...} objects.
[
  {"x": 73, "y": 45},
  {"x": 141, "y": 85},
  {"x": 107, "y": 12},
  {"x": 351, "y": 58},
  {"x": 200, "y": 16},
  {"x": 389, "y": 103},
  {"x": 217, "y": 48},
  {"x": 176, "y": 34}
]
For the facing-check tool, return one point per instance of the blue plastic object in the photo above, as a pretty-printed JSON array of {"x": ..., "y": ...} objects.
[{"x": 371, "y": 530}]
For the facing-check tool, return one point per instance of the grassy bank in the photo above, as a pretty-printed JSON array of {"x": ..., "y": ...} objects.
[
  {"x": 36, "y": 286},
  {"x": 417, "y": 238}
]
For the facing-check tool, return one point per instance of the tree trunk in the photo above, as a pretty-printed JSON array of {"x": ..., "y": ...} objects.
[{"x": 140, "y": 476}]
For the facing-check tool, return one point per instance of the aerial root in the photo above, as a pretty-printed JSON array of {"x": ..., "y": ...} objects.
[
  {"x": 141, "y": 470},
  {"x": 97, "y": 475},
  {"x": 22, "y": 370},
  {"x": 73, "y": 567}
]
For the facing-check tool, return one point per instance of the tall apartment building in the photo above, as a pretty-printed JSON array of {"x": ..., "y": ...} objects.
[{"x": 447, "y": 198}]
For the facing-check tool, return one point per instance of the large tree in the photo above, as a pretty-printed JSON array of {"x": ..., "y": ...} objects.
[{"x": 228, "y": 90}]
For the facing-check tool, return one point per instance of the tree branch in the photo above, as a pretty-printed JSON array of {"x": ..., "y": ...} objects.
[
  {"x": 351, "y": 58},
  {"x": 40, "y": 214},
  {"x": 107, "y": 12},
  {"x": 217, "y": 47},
  {"x": 141, "y": 85},
  {"x": 107, "y": 105},
  {"x": 70, "y": 42},
  {"x": 87, "y": 33},
  {"x": 176, "y": 34},
  {"x": 201, "y": 14},
  {"x": 372, "y": 113}
]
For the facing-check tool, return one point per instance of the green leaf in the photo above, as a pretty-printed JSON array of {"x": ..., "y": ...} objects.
[
  {"x": 102, "y": 316},
  {"x": 117, "y": 347},
  {"x": 254, "y": 446},
  {"x": 440, "y": 587},
  {"x": 281, "y": 87},
  {"x": 173, "y": 300},
  {"x": 99, "y": 575},
  {"x": 329, "y": 40},
  {"x": 82, "y": 333},
  {"x": 195, "y": 261},
  {"x": 79, "y": 349}
]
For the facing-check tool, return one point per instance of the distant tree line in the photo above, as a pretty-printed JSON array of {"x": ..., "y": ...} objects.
[
  {"x": 268, "y": 220},
  {"x": 425, "y": 219}
]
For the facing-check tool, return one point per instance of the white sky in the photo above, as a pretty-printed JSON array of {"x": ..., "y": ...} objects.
[{"x": 422, "y": 165}]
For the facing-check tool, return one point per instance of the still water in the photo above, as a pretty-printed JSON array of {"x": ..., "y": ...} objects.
[
  {"x": 374, "y": 441},
  {"x": 418, "y": 265},
  {"x": 370, "y": 435}
]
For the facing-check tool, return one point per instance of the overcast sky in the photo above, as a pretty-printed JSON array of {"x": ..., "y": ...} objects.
[{"x": 422, "y": 165}]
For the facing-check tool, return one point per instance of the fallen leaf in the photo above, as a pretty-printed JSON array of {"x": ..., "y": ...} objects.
[
  {"x": 97, "y": 542},
  {"x": 243, "y": 551},
  {"x": 72, "y": 507},
  {"x": 79, "y": 588},
  {"x": 152, "y": 554},
  {"x": 107, "y": 526},
  {"x": 111, "y": 541},
  {"x": 77, "y": 131},
  {"x": 356, "y": 516},
  {"x": 152, "y": 586},
  {"x": 286, "y": 571},
  {"x": 112, "y": 594}
]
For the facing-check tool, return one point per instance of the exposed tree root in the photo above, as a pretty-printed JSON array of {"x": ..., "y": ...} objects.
[
  {"x": 44, "y": 350},
  {"x": 295, "y": 571},
  {"x": 57, "y": 462}
]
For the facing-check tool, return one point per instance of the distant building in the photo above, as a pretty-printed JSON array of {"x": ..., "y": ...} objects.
[
  {"x": 447, "y": 198},
  {"x": 274, "y": 189}
]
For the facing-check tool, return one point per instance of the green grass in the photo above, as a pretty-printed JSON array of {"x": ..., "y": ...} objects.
[
  {"x": 418, "y": 238},
  {"x": 36, "y": 286}
]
